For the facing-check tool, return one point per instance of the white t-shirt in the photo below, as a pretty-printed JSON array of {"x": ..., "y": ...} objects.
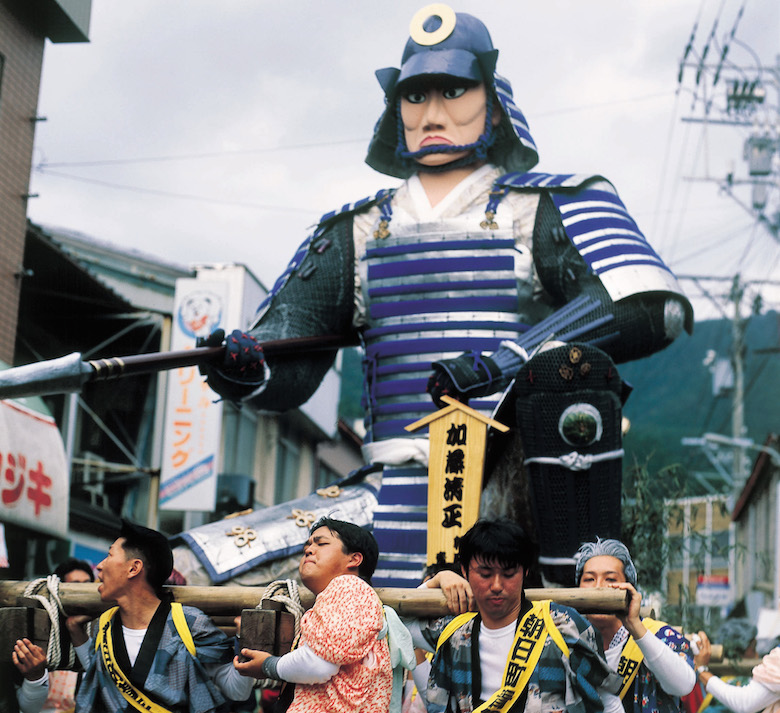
[{"x": 494, "y": 646}]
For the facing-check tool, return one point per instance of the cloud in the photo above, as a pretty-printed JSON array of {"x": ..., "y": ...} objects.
[{"x": 258, "y": 114}]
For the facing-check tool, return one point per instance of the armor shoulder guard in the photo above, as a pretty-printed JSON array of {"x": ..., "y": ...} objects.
[
  {"x": 605, "y": 235},
  {"x": 536, "y": 180},
  {"x": 349, "y": 209},
  {"x": 317, "y": 242}
]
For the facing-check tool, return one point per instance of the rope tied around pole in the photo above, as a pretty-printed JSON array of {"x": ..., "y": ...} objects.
[
  {"x": 285, "y": 592},
  {"x": 46, "y": 590}
]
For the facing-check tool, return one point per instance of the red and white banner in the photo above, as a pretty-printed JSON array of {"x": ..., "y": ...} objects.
[
  {"x": 713, "y": 591},
  {"x": 34, "y": 482}
]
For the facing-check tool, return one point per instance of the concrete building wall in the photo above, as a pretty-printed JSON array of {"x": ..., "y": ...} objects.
[
  {"x": 757, "y": 536},
  {"x": 21, "y": 58}
]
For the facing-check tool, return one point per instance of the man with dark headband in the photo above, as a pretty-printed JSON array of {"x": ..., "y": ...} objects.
[{"x": 148, "y": 653}]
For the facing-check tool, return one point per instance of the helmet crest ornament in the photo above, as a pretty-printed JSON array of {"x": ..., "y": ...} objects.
[{"x": 428, "y": 38}]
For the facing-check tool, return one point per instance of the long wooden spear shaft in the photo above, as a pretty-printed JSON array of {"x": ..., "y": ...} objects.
[
  {"x": 70, "y": 373},
  {"x": 230, "y": 600}
]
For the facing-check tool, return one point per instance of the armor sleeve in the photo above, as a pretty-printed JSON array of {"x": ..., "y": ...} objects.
[
  {"x": 313, "y": 298},
  {"x": 641, "y": 324}
]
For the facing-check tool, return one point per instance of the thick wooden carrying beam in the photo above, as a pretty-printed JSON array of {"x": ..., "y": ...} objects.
[
  {"x": 19, "y": 623},
  {"x": 231, "y": 600},
  {"x": 734, "y": 667}
]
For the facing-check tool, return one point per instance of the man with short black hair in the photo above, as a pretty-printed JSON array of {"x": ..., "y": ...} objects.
[
  {"x": 342, "y": 662},
  {"x": 148, "y": 653},
  {"x": 75, "y": 570},
  {"x": 509, "y": 655},
  {"x": 41, "y": 690},
  {"x": 656, "y": 659}
]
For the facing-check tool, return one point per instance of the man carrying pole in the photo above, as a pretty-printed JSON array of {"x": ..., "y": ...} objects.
[
  {"x": 148, "y": 653},
  {"x": 510, "y": 655},
  {"x": 653, "y": 659},
  {"x": 342, "y": 663}
]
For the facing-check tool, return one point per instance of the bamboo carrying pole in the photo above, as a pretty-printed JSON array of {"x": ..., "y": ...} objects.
[
  {"x": 230, "y": 600},
  {"x": 734, "y": 667},
  {"x": 223, "y": 604}
]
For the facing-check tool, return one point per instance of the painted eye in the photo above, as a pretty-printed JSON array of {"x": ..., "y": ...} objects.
[
  {"x": 453, "y": 92},
  {"x": 415, "y": 97},
  {"x": 580, "y": 425}
]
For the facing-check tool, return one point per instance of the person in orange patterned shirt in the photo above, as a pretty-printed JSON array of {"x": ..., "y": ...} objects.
[{"x": 342, "y": 662}]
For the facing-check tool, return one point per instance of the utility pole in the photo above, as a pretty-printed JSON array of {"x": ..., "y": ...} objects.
[
  {"x": 738, "y": 327},
  {"x": 746, "y": 104},
  {"x": 734, "y": 299}
]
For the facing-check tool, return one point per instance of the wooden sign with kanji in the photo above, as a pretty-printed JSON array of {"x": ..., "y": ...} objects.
[{"x": 458, "y": 439}]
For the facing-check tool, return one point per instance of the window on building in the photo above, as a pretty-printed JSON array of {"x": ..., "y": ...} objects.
[
  {"x": 325, "y": 475},
  {"x": 239, "y": 440},
  {"x": 288, "y": 464},
  {"x": 720, "y": 549},
  {"x": 2, "y": 64}
]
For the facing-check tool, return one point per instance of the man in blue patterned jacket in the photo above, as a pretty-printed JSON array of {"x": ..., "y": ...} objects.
[
  {"x": 653, "y": 659},
  {"x": 148, "y": 653},
  {"x": 467, "y": 265},
  {"x": 510, "y": 655}
]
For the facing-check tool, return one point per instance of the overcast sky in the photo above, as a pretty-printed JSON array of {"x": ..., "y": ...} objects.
[{"x": 200, "y": 131}]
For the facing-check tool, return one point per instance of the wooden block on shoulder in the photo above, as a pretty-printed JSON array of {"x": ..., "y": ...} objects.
[
  {"x": 267, "y": 630},
  {"x": 20, "y": 623}
]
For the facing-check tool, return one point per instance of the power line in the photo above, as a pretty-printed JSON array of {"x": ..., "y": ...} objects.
[
  {"x": 585, "y": 107},
  {"x": 181, "y": 196},
  {"x": 702, "y": 250},
  {"x": 45, "y": 166}
]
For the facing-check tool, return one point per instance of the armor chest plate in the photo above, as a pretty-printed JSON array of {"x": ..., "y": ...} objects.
[{"x": 434, "y": 290}]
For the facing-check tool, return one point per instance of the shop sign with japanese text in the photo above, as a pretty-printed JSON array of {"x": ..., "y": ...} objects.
[
  {"x": 193, "y": 417},
  {"x": 34, "y": 483}
]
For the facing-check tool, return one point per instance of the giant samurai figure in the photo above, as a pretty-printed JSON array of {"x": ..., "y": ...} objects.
[{"x": 454, "y": 278}]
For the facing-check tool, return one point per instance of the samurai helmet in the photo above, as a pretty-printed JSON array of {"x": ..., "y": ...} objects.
[{"x": 442, "y": 44}]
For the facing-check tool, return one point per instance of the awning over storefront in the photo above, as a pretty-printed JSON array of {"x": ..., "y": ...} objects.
[{"x": 34, "y": 485}]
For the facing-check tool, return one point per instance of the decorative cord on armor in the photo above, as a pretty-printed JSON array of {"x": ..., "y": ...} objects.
[
  {"x": 46, "y": 590},
  {"x": 385, "y": 204},
  {"x": 479, "y": 363},
  {"x": 497, "y": 194},
  {"x": 284, "y": 591},
  {"x": 576, "y": 461}
]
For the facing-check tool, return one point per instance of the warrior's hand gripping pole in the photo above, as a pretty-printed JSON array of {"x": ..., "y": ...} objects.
[{"x": 69, "y": 373}]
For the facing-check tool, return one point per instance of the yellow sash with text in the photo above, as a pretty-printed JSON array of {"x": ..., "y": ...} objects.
[
  {"x": 532, "y": 631},
  {"x": 632, "y": 656},
  {"x": 104, "y": 645}
]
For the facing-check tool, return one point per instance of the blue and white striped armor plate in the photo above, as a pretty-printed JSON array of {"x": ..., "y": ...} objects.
[{"x": 433, "y": 291}]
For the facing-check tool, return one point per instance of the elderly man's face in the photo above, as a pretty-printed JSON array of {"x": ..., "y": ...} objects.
[
  {"x": 601, "y": 571},
  {"x": 443, "y": 116}
]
